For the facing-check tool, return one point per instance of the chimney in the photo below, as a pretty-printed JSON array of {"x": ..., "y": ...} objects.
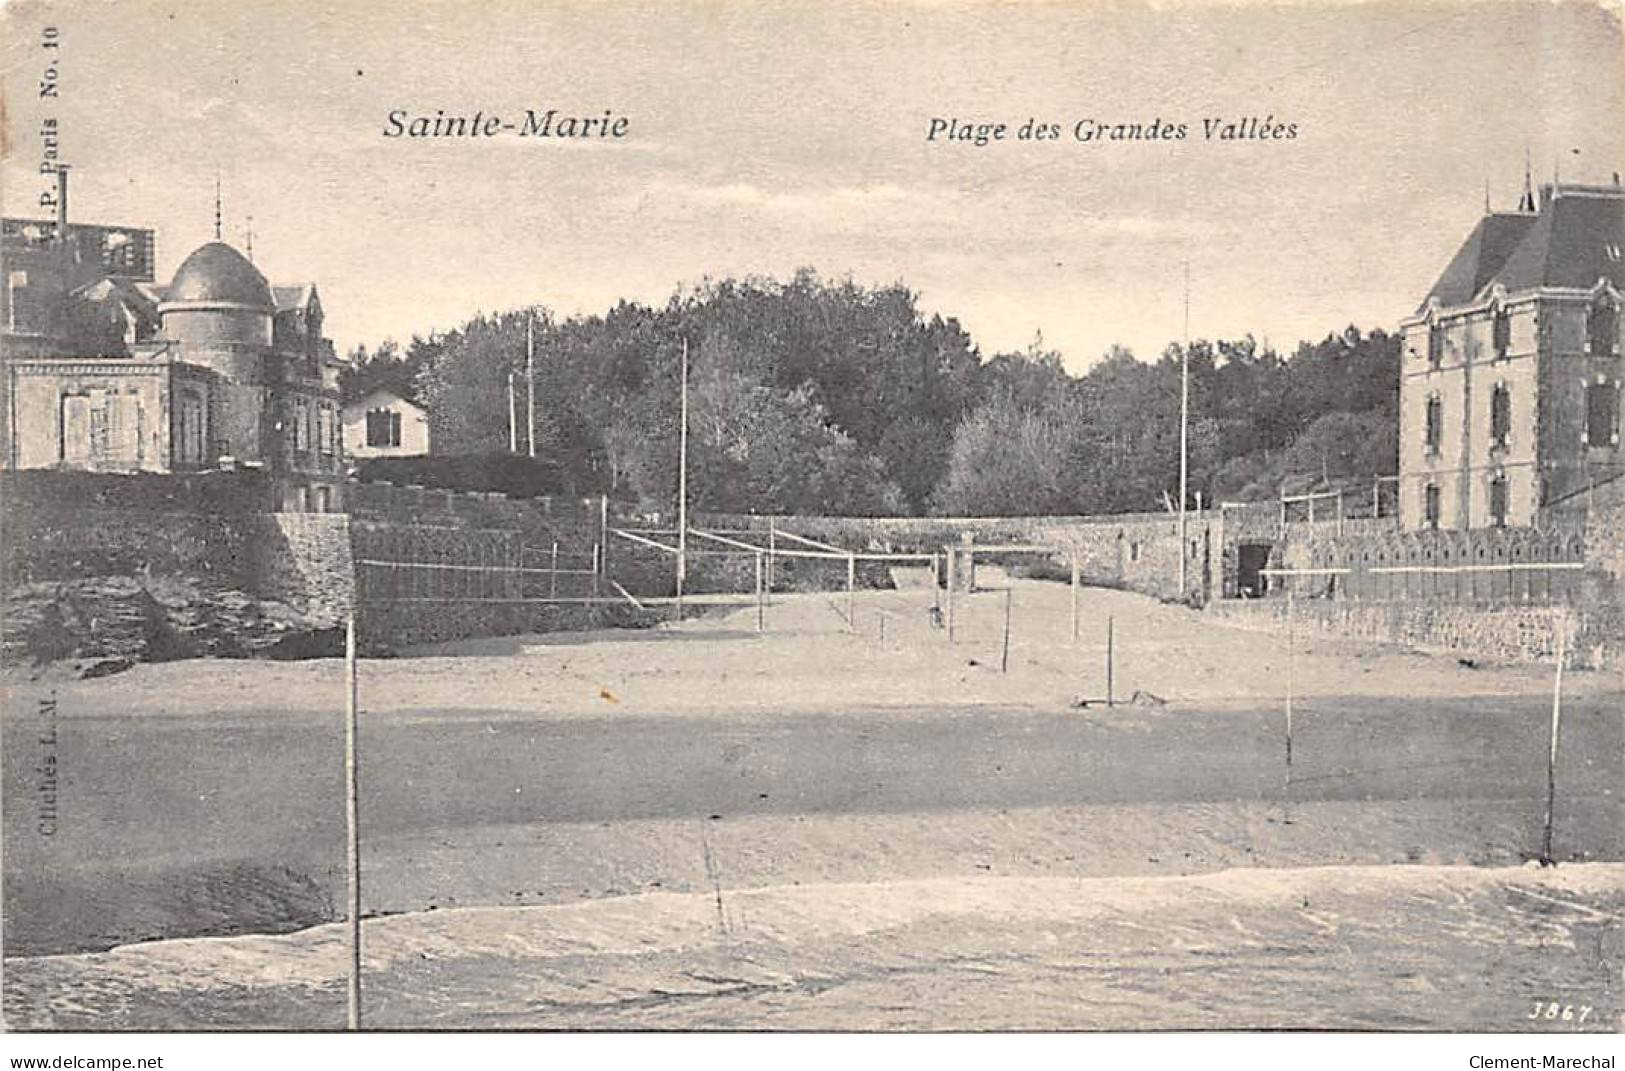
[{"x": 62, "y": 202}]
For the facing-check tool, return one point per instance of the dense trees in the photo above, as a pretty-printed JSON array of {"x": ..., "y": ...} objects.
[{"x": 820, "y": 396}]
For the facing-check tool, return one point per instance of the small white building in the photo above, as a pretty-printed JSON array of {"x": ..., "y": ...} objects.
[{"x": 384, "y": 424}]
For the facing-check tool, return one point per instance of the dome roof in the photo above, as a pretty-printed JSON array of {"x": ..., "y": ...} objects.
[{"x": 216, "y": 274}]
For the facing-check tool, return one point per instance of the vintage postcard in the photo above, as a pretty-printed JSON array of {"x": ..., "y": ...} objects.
[{"x": 872, "y": 516}]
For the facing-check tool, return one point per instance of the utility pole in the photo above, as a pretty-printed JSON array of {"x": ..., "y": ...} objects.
[
  {"x": 513, "y": 417},
  {"x": 1546, "y": 857},
  {"x": 682, "y": 487},
  {"x": 1184, "y": 422},
  {"x": 352, "y": 837},
  {"x": 530, "y": 376}
]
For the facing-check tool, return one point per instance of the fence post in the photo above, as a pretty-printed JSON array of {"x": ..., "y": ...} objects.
[
  {"x": 772, "y": 550},
  {"x": 851, "y": 589},
  {"x": 553, "y": 574},
  {"x": 1004, "y": 656},
  {"x": 760, "y": 622},
  {"x": 603, "y": 533},
  {"x": 953, "y": 567},
  {"x": 597, "y": 563},
  {"x": 1074, "y": 557},
  {"x": 1111, "y": 699}
]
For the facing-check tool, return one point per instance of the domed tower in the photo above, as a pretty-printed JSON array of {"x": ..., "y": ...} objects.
[
  {"x": 218, "y": 296},
  {"x": 218, "y": 313}
]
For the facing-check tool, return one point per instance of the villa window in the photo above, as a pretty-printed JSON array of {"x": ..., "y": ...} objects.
[
  {"x": 1602, "y": 414},
  {"x": 1602, "y": 323},
  {"x": 1501, "y": 332},
  {"x": 1433, "y": 428},
  {"x": 1431, "y": 504},
  {"x": 1498, "y": 502},
  {"x": 1435, "y": 344},
  {"x": 1500, "y": 416},
  {"x": 383, "y": 427}
]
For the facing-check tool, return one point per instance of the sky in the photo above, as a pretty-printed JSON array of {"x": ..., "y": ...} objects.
[{"x": 763, "y": 137}]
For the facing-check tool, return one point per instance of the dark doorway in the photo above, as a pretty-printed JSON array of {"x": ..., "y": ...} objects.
[{"x": 1251, "y": 559}]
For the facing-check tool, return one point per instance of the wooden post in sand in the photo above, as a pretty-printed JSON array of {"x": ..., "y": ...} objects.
[
  {"x": 1551, "y": 760},
  {"x": 1290, "y": 683},
  {"x": 761, "y": 621},
  {"x": 352, "y": 838},
  {"x": 1004, "y": 657},
  {"x": 1074, "y": 597},
  {"x": 1110, "y": 638},
  {"x": 851, "y": 593}
]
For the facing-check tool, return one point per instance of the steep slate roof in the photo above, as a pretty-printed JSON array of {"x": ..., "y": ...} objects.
[
  {"x": 1566, "y": 245},
  {"x": 1479, "y": 258}
]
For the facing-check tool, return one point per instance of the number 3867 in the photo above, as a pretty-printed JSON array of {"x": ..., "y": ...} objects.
[{"x": 1551, "y": 1011}]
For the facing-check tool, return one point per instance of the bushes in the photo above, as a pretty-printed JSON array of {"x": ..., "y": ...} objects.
[{"x": 512, "y": 474}]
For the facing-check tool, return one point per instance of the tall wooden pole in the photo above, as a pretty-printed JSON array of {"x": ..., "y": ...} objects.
[
  {"x": 352, "y": 838},
  {"x": 1291, "y": 684},
  {"x": 513, "y": 417},
  {"x": 1551, "y": 760},
  {"x": 1184, "y": 424},
  {"x": 953, "y": 570},
  {"x": 682, "y": 486},
  {"x": 530, "y": 377}
]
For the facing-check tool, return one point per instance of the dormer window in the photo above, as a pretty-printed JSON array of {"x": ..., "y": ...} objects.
[
  {"x": 1435, "y": 344},
  {"x": 1501, "y": 333}
]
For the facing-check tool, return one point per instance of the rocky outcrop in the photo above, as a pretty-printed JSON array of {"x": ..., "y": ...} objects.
[{"x": 103, "y": 624}]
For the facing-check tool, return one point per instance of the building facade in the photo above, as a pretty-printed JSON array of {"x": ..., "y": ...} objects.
[
  {"x": 384, "y": 424},
  {"x": 1511, "y": 367},
  {"x": 106, "y": 371}
]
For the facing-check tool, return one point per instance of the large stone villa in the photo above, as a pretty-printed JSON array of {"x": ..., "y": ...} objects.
[{"x": 106, "y": 370}]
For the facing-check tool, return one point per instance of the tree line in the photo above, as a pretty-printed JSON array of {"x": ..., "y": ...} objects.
[{"x": 821, "y": 396}]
